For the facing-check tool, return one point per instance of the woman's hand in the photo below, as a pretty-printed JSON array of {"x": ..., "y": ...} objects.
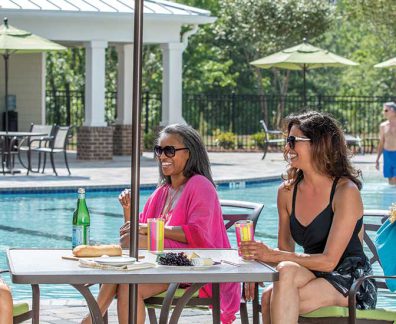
[
  {"x": 256, "y": 250},
  {"x": 124, "y": 229},
  {"x": 124, "y": 241},
  {"x": 250, "y": 290},
  {"x": 125, "y": 198}
]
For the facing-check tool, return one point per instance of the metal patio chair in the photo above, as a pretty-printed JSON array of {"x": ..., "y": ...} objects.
[
  {"x": 57, "y": 144},
  {"x": 270, "y": 141},
  {"x": 29, "y": 145},
  {"x": 242, "y": 210}
]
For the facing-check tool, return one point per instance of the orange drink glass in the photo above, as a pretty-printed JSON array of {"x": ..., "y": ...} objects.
[{"x": 244, "y": 231}]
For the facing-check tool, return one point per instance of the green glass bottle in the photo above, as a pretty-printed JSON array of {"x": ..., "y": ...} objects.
[{"x": 81, "y": 221}]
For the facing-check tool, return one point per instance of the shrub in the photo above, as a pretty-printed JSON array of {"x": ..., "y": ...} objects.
[
  {"x": 225, "y": 139},
  {"x": 258, "y": 139}
]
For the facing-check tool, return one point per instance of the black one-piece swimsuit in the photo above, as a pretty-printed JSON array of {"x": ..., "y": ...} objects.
[{"x": 353, "y": 263}]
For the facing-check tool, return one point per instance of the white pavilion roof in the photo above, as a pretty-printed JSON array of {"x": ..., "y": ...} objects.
[{"x": 103, "y": 6}]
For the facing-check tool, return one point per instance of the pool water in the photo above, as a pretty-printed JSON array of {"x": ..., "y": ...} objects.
[{"x": 44, "y": 220}]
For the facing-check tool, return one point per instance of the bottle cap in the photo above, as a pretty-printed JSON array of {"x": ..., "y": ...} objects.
[{"x": 81, "y": 190}]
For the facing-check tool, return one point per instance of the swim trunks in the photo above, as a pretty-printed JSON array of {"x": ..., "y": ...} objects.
[{"x": 389, "y": 164}]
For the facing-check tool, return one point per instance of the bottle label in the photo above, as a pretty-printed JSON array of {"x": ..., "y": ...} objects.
[{"x": 80, "y": 235}]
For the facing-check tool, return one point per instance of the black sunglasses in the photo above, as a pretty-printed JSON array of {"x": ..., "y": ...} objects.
[
  {"x": 169, "y": 151},
  {"x": 291, "y": 140}
]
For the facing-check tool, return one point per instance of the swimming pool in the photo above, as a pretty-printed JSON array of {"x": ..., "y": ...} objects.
[{"x": 44, "y": 220}]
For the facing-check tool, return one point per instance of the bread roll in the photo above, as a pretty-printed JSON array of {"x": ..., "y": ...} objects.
[{"x": 97, "y": 250}]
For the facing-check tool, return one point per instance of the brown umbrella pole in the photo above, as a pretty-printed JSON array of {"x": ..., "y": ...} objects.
[
  {"x": 135, "y": 158},
  {"x": 6, "y": 56}
]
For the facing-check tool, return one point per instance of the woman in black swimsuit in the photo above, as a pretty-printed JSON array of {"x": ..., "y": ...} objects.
[{"x": 320, "y": 209}]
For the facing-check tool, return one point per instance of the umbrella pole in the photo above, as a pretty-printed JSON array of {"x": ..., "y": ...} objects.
[
  {"x": 135, "y": 158},
  {"x": 305, "y": 85},
  {"x": 6, "y": 56}
]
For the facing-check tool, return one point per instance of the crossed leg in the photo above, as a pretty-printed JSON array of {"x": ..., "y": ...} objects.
[{"x": 301, "y": 291}]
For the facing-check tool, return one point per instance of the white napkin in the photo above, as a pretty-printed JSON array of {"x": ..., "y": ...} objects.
[{"x": 87, "y": 263}]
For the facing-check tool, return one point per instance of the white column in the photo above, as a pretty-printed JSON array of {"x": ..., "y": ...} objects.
[
  {"x": 124, "y": 84},
  {"x": 172, "y": 83},
  {"x": 95, "y": 83}
]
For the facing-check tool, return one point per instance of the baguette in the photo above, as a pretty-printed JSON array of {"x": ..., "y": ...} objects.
[{"x": 97, "y": 250}]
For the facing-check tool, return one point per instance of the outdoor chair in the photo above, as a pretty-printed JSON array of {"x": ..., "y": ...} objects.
[
  {"x": 174, "y": 294},
  {"x": 8, "y": 152},
  {"x": 21, "y": 311},
  {"x": 335, "y": 315},
  {"x": 29, "y": 145},
  {"x": 354, "y": 141},
  {"x": 268, "y": 140},
  {"x": 57, "y": 144},
  {"x": 340, "y": 315}
]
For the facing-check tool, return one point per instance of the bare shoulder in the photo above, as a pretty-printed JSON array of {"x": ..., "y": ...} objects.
[
  {"x": 285, "y": 189},
  {"x": 346, "y": 186},
  {"x": 285, "y": 192},
  {"x": 347, "y": 195},
  {"x": 385, "y": 123}
]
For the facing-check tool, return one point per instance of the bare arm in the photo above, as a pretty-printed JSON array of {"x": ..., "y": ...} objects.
[
  {"x": 348, "y": 208},
  {"x": 285, "y": 240},
  {"x": 380, "y": 147}
]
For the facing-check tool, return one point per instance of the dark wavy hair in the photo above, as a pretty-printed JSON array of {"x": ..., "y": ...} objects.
[
  {"x": 198, "y": 162},
  {"x": 330, "y": 153}
]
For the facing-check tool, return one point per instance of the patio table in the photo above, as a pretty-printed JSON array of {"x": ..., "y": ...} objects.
[
  {"x": 46, "y": 266},
  {"x": 10, "y": 138}
]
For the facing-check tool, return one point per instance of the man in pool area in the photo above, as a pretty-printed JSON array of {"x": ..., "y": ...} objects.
[{"x": 387, "y": 142}]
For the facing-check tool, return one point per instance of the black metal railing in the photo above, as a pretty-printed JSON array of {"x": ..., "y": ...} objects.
[{"x": 233, "y": 116}]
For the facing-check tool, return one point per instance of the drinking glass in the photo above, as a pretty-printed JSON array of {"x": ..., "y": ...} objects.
[
  {"x": 155, "y": 235},
  {"x": 244, "y": 231}
]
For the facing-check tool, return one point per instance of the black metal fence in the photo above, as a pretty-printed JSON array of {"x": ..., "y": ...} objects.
[{"x": 234, "y": 117}]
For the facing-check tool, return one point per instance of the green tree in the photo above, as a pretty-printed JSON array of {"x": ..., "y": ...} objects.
[{"x": 250, "y": 29}]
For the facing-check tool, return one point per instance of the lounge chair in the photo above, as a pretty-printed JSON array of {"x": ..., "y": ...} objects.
[
  {"x": 249, "y": 211},
  {"x": 270, "y": 141}
]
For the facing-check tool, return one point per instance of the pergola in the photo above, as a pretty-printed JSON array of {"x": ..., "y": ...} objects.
[{"x": 97, "y": 24}]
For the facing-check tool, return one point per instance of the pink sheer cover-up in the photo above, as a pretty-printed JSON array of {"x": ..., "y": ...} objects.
[{"x": 198, "y": 212}]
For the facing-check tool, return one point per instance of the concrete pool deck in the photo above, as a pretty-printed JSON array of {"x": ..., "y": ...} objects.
[{"x": 116, "y": 172}]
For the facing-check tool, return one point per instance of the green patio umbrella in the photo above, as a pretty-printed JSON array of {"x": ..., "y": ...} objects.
[
  {"x": 302, "y": 57},
  {"x": 387, "y": 64},
  {"x": 17, "y": 41}
]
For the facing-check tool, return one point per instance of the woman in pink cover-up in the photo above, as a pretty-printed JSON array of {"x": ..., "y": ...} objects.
[{"x": 187, "y": 200}]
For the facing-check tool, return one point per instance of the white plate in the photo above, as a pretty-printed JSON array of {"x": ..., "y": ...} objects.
[
  {"x": 187, "y": 268},
  {"x": 115, "y": 261}
]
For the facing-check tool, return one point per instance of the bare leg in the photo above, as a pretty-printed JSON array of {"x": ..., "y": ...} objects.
[
  {"x": 265, "y": 305},
  {"x": 320, "y": 293},
  {"x": 5, "y": 304},
  {"x": 106, "y": 295},
  {"x": 144, "y": 291},
  {"x": 392, "y": 181},
  {"x": 286, "y": 292}
]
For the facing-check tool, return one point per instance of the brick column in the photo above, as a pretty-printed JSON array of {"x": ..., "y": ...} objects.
[
  {"x": 122, "y": 138},
  {"x": 94, "y": 143}
]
